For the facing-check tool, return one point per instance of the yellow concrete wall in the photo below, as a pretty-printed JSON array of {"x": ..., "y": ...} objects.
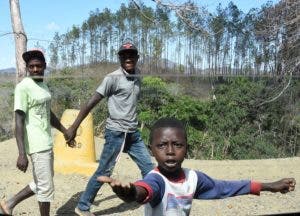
[{"x": 81, "y": 159}]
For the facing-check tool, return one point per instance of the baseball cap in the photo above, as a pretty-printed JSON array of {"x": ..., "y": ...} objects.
[
  {"x": 128, "y": 46},
  {"x": 34, "y": 53}
]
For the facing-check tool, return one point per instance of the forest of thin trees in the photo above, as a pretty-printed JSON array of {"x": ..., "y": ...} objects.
[
  {"x": 227, "y": 117},
  {"x": 189, "y": 39}
]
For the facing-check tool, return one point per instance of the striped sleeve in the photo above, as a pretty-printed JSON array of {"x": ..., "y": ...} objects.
[{"x": 155, "y": 186}]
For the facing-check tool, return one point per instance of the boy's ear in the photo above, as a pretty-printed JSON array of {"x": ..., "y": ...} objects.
[
  {"x": 150, "y": 148},
  {"x": 186, "y": 152}
]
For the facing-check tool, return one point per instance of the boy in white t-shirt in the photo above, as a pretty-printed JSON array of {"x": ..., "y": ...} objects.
[{"x": 169, "y": 189}]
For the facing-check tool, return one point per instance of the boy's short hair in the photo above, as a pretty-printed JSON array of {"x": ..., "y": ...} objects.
[{"x": 167, "y": 122}]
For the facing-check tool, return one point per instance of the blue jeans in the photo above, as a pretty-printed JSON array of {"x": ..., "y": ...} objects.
[{"x": 136, "y": 149}]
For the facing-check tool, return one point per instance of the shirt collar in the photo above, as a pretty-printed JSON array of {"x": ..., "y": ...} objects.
[
  {"x": 136, "y": 72},
  {"x": 180, "y": 179},
  {"x": 131, "y": 76}
]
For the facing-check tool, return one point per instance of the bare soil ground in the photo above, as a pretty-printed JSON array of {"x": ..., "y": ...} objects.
[{"x": 69, "y": 187}]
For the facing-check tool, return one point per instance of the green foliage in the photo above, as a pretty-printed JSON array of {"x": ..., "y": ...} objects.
[
  {"x": 234, "y": 126},
  {"x": 6, "y": 107},
  {"x": 71, "y": 93},
  {"x": 238, "y": 124},
  {"x": 245, "y": 129},
  {"x": 153, "y": 96}
]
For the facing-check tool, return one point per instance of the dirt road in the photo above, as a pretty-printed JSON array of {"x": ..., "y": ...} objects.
[{"x": 69, "y": 187}]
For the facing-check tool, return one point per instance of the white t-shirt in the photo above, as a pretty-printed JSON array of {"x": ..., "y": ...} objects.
[{"x": 173, "y": 197}]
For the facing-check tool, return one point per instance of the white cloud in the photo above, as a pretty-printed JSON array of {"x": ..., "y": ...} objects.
[{"x": 53, "y": 26}]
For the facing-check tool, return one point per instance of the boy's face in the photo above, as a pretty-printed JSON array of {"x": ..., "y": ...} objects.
[
  {"x": 169, "y": 148},
  {"x": 128, "y": 61},
  {"x": 36, "y": 68}
]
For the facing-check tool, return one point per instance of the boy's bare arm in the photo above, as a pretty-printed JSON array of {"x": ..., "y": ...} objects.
[
  {"x": 84, "y": 111},
  {"x": 128, "y": 192},
  {"x": 54, "y": 121},
  {"x": 22, "y": 161},
  {"x": 283, "y": 186}
]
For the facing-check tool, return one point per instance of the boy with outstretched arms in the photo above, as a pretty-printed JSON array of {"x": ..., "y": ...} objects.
[{"x": 169, "y": 189}]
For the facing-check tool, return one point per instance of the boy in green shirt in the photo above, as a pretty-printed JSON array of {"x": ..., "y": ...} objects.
[{"x": 33, "y": 121}]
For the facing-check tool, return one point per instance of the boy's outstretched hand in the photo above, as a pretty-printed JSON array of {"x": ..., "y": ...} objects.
[
  {"x": 125, "y": 191},
  {"x": 283, "y": 186}
]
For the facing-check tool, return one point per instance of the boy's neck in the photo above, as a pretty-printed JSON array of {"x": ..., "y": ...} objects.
[
  {"x": 173, "y": 176},
  {"x": 131, "y": 72}
]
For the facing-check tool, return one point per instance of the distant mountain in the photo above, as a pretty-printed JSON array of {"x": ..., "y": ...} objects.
[
  {"x": 13, "y": 70},
  {"x": 8, "y": 70}
]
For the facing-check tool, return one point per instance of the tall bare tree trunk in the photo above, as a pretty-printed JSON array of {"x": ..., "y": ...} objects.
[{"x": 20, "y": 37}]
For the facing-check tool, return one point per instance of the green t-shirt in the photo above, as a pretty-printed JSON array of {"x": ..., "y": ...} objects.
[{"x": 33, "y": 98}]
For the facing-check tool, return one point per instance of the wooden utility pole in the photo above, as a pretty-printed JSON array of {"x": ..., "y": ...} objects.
[{"x": 20, "y": 38}]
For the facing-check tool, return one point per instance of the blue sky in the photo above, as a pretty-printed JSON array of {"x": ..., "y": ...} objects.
[{"x": 42, "y": 18}]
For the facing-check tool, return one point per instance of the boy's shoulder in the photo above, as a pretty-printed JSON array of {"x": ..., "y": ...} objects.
[
  {"x": 114, "y": 73},
  {"x": 25, "y": 82},
  {"x": 114, "y": 76}
]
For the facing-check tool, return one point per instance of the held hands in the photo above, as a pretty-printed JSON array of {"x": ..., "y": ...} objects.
[
  {"x": 283, "y": 186},
  {"x": 22, "y": 162},
  {"x": 69, "y": 136},
  {"x": 71, "y": 143},
  {"x": 125, "y": 191}
]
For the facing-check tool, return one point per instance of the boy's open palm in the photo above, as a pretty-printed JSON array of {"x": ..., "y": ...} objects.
[{"x": 125, "y": 191}]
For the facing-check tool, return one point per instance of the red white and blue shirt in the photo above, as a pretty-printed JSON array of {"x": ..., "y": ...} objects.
[{"x": 173, "y": 197}]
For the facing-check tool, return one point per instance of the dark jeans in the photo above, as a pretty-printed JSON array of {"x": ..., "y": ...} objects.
[{"x": 134, "y": 146}]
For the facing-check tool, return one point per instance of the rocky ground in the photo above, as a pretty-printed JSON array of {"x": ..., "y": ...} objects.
[{"x": 69, "y": 187}]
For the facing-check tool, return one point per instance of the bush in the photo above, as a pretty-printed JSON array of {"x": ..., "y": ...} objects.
[{"x": 237, "y": 125}]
